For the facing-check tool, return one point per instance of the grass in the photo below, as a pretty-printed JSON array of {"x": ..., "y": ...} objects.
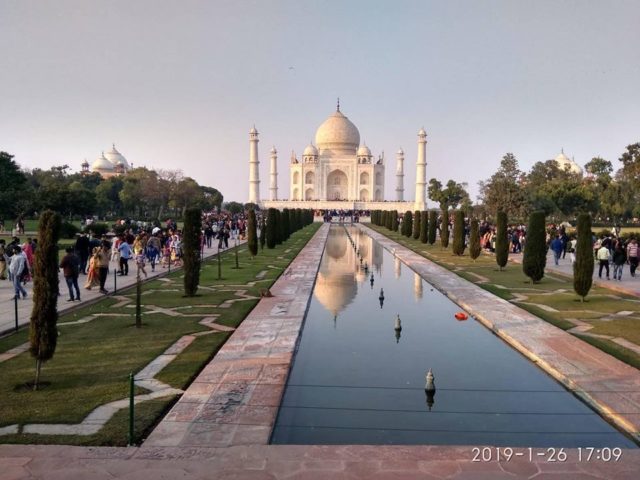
[
  {"x": 93, "y": 360},
  {"x": 554, "y": 291}
]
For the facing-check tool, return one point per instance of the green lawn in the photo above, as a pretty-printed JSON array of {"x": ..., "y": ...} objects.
[
  {"x": 93, "y": 360},
  {"x": 555, "y": 290}
]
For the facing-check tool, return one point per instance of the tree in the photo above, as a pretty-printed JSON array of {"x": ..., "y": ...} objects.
[
  {"x": 271, "y": 228},
  {"x": 502, "y": 241},
  {"x": 234, "y": 207},
  {"x": 394, "y": 220},
  {"x": 458, "y": 233},
  {"x": 191, "y": 250},
  {"x": 416, "y": 224},
  {"x": 43, "y": 331},
  {"x": 252, "y": 236},
  {"x": 534, "y": 258},
  {"x": 12, "y": 186},
  {"x": 631, "y": 161},
  {"x": 503, "y": 190},
  {"x": 584, "y": 264},
  {"x": 278, "y": 227},
  {"x": 450, "y": 196},
  {"x": 285, "y": 224},
  {"x": 407, "y": 223},
  {"x": 433, "y": 226},
  {"x": 474, "y": 240},
  {"x": 424, "y": 226},
  {"x": 263, "y": 232},
  {"x": 444, "y": 229}
]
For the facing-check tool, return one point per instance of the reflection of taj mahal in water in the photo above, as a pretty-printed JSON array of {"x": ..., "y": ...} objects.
[
  {"x": 341, "y": 275},
  {"x": 338, "y": 172}
]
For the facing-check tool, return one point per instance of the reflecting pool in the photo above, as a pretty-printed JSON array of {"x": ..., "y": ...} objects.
[{"x": 358, "y": 380}]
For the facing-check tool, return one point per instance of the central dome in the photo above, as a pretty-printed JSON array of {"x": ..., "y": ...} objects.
[{"x": 337, "y": 133}]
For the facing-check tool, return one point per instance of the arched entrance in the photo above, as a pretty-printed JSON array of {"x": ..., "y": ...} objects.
[{"x": 337, "y": 186}]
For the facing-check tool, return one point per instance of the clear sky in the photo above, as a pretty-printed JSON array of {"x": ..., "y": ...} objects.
[{"x": 178, "y": 84}]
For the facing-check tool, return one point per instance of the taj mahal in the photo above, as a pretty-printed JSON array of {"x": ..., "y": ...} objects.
[{"x": 338, "y": 172}]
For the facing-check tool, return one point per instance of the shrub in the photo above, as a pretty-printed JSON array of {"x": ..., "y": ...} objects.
[
  {"x": 271, "y": 228},
  {"x": 444, "y": 229},
  {"x": 584, "y": 264},
  {"x": 394, "y": 221},
  {"x": 252, "y": 233},
  {"x": 407, "y": 224},
  {"x": 474, "y": 240},
  {"x": 458, "y": 232},
  {"x": 191, "y": 250},
  {"x": 416, "y": 224},
  {"x": 502, "y": 241},
  {"x": 424, "y": 226},
  {"x": 263, "y": 232},
  {"x": 98, "y": 229},
  {"x": 433, "y": 226},
  {"x": 534, "y": 258},
  {"x": 68, "y": 230}
]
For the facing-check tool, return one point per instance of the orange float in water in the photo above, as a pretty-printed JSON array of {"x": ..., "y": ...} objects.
[{"x": 461, "y": 316}]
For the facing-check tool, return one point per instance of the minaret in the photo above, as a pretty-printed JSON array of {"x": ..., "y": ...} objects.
[
  {"x": 254, "y": 163},
  {"x": 273, "y": 173},
  {"x": 400, "y": 175},
  {"x": 421, "y": 171}
]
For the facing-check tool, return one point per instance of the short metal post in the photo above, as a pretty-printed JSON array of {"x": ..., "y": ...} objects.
[
  {"x": 219, "y": 265},
  {"x": 15, "y": 304},
  {"x": 169, "y": 262},
  {"x": 131, "y": 406},
  {"x": 115, "y": 281}
]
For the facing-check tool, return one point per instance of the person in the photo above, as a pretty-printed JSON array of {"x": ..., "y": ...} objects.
[
  {"x": 17, "y": 269},
  {"x": 3, "y": 261},
  {"x": 93, "y": 272},
  {"x": 632, "y": 256},
  {"x": 557, "y": 247},
  {"x": 572, "y": 249},
  {"x": 619, "y": 259},
  {"x": 103, "y": 265},
  {"x": 82, "y": 250},
  {"x": 70, "y": 266},
  {"x": 125, "y": 254},
  {"x": 603, "y": 257},
  {"x": 138, "y": 253}
]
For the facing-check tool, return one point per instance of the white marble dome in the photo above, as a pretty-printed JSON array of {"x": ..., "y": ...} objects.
[
  {"x": 364, "y": 151},
  {"x": 338, "y": 133},
  {"x": 116, "y": 158},
  {"x": 102, "y": 164},
  {"x": 310, "y": 150},
  {"x": 563, "y": 161}
]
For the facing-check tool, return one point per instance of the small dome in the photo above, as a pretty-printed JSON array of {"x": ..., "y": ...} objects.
[
  {"x": 422, "y": 132},
  {"x": 563, "y": 162},
  {"x": 338, "y": 133},
  {"x": 273, "y": 150},
  {"x": 364, "y": 151},
  {"x": 253, "y": 130},
  {"x": 116, "y": 158},
  {"x": 101, "y": 163},
  {"x": 85, "y": 163},
  {"x": 400, "y": 152},
  {"x": 310, "y": 150}
]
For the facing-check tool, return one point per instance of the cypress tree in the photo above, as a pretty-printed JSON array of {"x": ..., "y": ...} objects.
[
  {"x": 252, "y": 236},
  {"x": 279, "y": 231},
  {"x": 444, "y": 228},
  {"x": 534, "y": 258},
  {"x": 263, "y": 232},
  {"x": 502, "y": 242},
  {"x": 433, "y": 226},
  {"x": 583, "y": 266},
  {"x": 271, "y": 228},
  {"x": 416, "y": 224},
  {"x": 458, "y": 233},
  {"x": 407, "y": 224},
  {"x": 474, "y": 240},
  {"x": 394, "y": 221},
  {"x": 191, "y": 250},
  {"x": 424, "y": 226},
  {"x": 285, "y": 224},
  {"x": 43, "y": 331},
  {"x": 385, "y": 219}
]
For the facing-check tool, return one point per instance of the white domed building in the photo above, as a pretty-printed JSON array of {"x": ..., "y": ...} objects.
[
  {"x": 337, "y": 171},
  {"x": 108, "y": 164},
  {"x": 565, "y": 163}
]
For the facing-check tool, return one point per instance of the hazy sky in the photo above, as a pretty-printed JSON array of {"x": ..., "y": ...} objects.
[{"x": 178, "y": 84}]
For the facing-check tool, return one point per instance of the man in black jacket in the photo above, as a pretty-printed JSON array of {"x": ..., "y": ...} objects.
[{"x": 82, "y": 250}]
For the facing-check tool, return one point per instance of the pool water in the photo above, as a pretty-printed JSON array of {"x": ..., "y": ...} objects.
[{"x": 357, "y": 380}]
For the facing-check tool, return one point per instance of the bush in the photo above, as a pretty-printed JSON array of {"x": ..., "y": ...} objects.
[
  {"x": 68, "y": 230},
  {"x": 584, "y": 264},
  {"x": 263, "y": 232},
  {"x": 502, "y": 241},
  {"x": 407, "y": 223},
  {"x": 416, "y": 224},
  {"x": 444, "y": 229},
  {"x": 191, "y": 250},
  {"x": 271, "y": 228},
  {"x": 433, "y": 226},
  {"x": 98, "y": 229},
  {"x": 394, "y": 221},
  {"x": 424, "y": 226},
  {"x": 474, "y": 240},
  {"x": 458, "y": 232},
  {"x": 252, "y": 235},
  {"x": 534, "y": 258}
]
